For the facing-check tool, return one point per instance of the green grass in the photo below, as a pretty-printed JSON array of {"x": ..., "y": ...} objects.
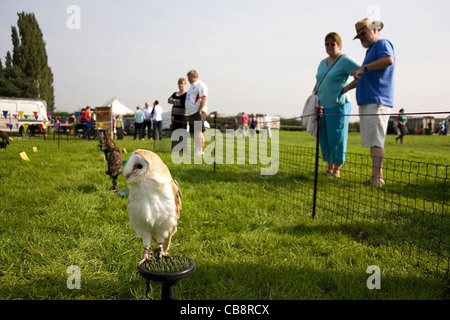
[
  {"x": 167, "y": 264},
  {"x": 57, "y": 210}
]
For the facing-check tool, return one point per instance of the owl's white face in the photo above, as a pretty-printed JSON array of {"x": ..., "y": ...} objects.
[{"x": 135, "y": 169}]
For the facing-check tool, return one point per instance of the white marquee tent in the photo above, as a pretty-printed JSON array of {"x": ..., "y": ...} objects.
[{"x": 118, "y": 107}]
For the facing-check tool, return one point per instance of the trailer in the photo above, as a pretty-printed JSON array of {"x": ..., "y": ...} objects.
[{"x": 22, "y": 115}]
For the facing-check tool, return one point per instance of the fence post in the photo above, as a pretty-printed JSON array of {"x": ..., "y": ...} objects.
[
  {"x": 215, "y": 138},
  {"x": 316, "y": 169}
]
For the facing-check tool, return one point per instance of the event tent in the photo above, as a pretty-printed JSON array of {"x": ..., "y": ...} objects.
[{"x": 118, "y": 107}]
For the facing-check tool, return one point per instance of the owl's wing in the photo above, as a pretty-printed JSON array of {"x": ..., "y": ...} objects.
[
  {"x": 177, "y": 195},
  {"x": 117, "y": 163},
  {"x": 114, "y": 163},
  {"x": 179, "y": 190}
]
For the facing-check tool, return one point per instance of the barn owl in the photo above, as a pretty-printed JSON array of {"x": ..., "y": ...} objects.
[{"x": 154, "y": 201}]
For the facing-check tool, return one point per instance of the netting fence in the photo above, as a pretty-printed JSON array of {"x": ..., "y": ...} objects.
[{"x": 410, "y": 212}]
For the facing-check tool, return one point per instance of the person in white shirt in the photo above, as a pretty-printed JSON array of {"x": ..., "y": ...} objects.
[
  {"x": 267, "y": 122},
  {"x": 196, "y": 108},
  {"x": 157, "y": 120}
]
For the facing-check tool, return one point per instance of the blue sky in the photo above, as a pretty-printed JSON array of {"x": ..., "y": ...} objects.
[{"x": 254, "y": 55}]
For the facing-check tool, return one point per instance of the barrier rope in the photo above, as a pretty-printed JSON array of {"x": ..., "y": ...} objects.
[{"x": 342, "y": 115}]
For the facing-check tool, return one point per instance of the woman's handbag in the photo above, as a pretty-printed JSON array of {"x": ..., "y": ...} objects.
[{"x": 309, "y": 114}]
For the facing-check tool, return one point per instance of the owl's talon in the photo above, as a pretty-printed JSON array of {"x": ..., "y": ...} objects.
[
  {"x": 142, "y": 261},
  {"x": 160, "y": 253},
  {"x": 147, "y": 256}
]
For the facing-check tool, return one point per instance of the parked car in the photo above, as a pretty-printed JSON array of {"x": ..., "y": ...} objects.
[
  {"x": 228, "y": 124},
  {"x": 128, "y": 123}
]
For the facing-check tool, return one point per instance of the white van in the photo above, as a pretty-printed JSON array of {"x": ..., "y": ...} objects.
[{"x": 23, "y": 115}]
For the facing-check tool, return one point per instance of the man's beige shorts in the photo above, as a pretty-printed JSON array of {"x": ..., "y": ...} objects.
[{"x": 373, "y": 121}]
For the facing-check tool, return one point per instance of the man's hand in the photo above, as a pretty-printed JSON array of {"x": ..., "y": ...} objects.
[
  {"x": 379, "y": 64},
  {"x": 358, "y": 72}
]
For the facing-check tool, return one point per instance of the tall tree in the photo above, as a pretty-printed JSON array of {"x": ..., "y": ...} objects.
[
  {"x": 30, "y": 72},
  {"x": 16, "y": 46},
  {"x": 13, "y": 83}
]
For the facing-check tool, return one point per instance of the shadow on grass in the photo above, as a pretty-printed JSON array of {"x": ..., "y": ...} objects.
[
  {"x": 263, "y": 281},
  {"x": 410, "y": 234},
  {"x": 233, "y": 174}
]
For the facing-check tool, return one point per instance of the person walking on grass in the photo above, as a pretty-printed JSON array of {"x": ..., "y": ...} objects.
[
  {"x": 401, "y": 124},
  {"x": 374, "y": 92}
]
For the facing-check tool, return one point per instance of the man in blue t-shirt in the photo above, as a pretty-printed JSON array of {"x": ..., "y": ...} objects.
[{"x": 374, "y": 92}]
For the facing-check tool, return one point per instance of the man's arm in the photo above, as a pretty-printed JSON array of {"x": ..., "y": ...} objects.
[
  {"x": 202, "y": 103},
  {"x": 379, "y": 64}
]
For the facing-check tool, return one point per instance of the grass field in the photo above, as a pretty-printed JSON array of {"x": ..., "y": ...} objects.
[{"x": 57, "y": 211}]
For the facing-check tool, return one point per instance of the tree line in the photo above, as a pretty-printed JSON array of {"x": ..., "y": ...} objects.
[{"x": 25, "y": 72}]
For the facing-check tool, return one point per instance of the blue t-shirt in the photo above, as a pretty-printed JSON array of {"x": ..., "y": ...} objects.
[
  {"x": 377, "y": 86},
  {"x": 330, "y": 90},
  {"x": 139, "y": 116}
]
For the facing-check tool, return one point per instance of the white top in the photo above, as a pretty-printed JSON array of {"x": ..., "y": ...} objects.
[
  {"x": 267, "y": 121},
  {"x": 196, "y": 92},
  {"x": 157, "y": 113}
]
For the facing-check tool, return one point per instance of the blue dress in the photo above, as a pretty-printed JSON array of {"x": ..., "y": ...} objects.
[{"x": 336, "y": 107}]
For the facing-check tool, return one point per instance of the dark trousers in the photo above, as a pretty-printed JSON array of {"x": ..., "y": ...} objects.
[
  {"x": 120, "y": 134},
  {"x": 148, "y": 125},
  {"x": 138, "y": 128},
  {"x": 157, "y": 126}
]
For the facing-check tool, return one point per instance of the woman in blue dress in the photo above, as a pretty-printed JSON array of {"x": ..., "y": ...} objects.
[{"x": 332, "y": 84}]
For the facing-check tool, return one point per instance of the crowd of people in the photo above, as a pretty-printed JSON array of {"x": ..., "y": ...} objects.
[
  {"x": 149, "y": 119},
  {"x": 250, "y": 123}
]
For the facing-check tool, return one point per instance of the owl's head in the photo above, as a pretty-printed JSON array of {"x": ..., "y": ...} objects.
[
  {"x": 135, "y": 168},
  {"x": 144, "y": 164}
]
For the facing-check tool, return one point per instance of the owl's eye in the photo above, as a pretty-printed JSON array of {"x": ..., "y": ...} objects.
[{"x": 139, "y": 166}]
